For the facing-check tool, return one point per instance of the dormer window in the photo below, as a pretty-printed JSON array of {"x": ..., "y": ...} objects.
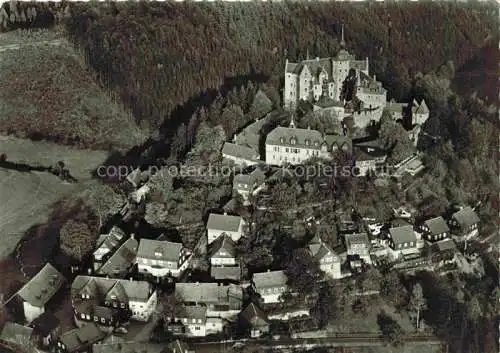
[
  {"x": 316, "y": 143},
  {"x": 282, "y": 139},
  {"x": 308, "y": 142},
  {"x": 293, "y": 140}
]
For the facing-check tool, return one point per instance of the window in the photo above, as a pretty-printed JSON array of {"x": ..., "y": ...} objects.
[
  {"x": 122, "y": 305},
  {"x": 197, "y": 328},
  {"x": 96, "y": 318},
  {"x": 286, "y": 150},
  {"x": 103, "y": 320},
  {"x": 82, "y": 316},
  {"x": 115, "y": 305}
]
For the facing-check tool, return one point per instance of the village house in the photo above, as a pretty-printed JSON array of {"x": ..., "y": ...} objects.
[
  {"x": 79, "y": 339},
  {"x": 17, "y": 335},
  {"x": 120, "y": 263},
  {"x": 434, "y": 229},
  {"x": 249, "y": 184},
  {"x": 160, "y": 258},
  {"x": 222, "y": 252},
  {"x": 358, "y": 245},
  {"x": 190, "y": 321},
  {"x": 39, "y": 290},
  {"x": 107, "y": 244},
  {"x": 464, "y": 223},
  {"x": 218, "y": 224},
  {"x": 46, "y": 329},
  {"x": 270, "y": 285},
  {"x": 444, "y": 252},
  {"x": 369, "y": 156},
  {"x": 109, "y": 301},
  {"x": 242, "y": 156},
  {"x": 411, "y": 165},
  {"x": 220, "y": 301},
  {"x": 329, "y": 262},
  {"x": 255, "y": 321},
  {"x": 403, "y": 240},
  {"x": 251, "y": 134}
]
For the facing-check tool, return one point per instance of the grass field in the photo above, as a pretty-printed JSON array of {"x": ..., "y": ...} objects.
[
  {"x": 47, "y": 92},
  {"x": 26, "y": 198}
]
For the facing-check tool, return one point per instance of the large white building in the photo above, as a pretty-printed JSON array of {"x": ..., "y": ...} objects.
[{"x": 291, "y": 145}]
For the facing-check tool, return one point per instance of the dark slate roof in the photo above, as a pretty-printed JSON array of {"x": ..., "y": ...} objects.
[
  {"x": 283, "y": 136},
  {"x": 169, "y": 251},
  {"x": 103, "y": 311},
  {"x": 466, "y": 217},
  {"x": 254, "y": 316},
  {"x": 122, "y": 259},
  {"x": 223, "y": 244},
  {"x": 437, "y": 225},
  {"x": 80, "y": 337},
  {"x": 42, "y": 286},
  {"x": 315, "y": 66},
  {"x": 240, "y": 151},
  {"x": 15, "y": 333},
  {"x": 102, "y": 287},
  {"x": 226, "y": 273},
  {"x": 45, "y": 324},
  {"x": 223, "y": 222},
  {"x": 321, "y": 251},
  {"x": 256, "y": 177},
  {"x": 370, "y": 85},
  {"x": 192, "y": 312},
  {"x": 111, "y": 241},
  {"x": 269, "y": 279},
  {"x": 403, "y": 234}
]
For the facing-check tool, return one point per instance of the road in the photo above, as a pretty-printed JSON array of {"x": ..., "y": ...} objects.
[
  {"x": 19, "y": 46},
  {"x": 336, "y": 341}
]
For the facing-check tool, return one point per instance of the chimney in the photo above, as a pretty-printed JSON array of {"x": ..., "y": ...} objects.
[
  {"x": 131, "y": 279},
  {"x": 132, "y": 236},
  {"x": 374, "y": 77},
  {"x": 268, "y": 270},
  {"x": 317, "y": 58}
]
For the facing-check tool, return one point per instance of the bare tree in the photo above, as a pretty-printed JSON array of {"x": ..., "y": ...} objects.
[{"x": 418, "y": 301}]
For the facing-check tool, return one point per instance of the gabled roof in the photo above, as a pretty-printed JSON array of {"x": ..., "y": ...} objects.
[
  {"x": 223, "y": 243},
  {"x": 422, "y": 108},
  {"x": 256, "y": 177},
  {"x": 122, "y": 259},
  {"x": 42, "y": 286},
  {"x": 192, "y": 312},
  {"x": 117, "y": 291},
  {"x": 224, "y": 222},
  {"x": 339, "y": 140},
  {"x": 226, "y": 273},
  {"x": 133, "y": 290},
  {"x": 254, "y": 316},
  {"x": 437, "y": 225},
  {"x": 466, "y": 217},
  {"x": 356, "y": 239},
  {"x": 109, "y": 242},
  {"x": 80, "y": 337},
  {"x": 400, "y": 235},
  {"x": 207, "y": 292},
  {"x": 322, "y": 251},
  {"x": 15, "y": 333},
  {"x": 240, "y": 151},
  {"x": 269, "y": 279},
  {"x": 159, "y": 249}
]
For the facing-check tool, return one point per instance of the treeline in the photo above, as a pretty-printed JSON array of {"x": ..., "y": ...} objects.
[
  {"x": 160, "y": 55},
  {"x": 26, "y": 15}
]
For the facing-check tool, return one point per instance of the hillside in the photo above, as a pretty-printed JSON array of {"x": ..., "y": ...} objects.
[
  {"x": 46, "y": 92},
  {"x": 158, "y": 56}
]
